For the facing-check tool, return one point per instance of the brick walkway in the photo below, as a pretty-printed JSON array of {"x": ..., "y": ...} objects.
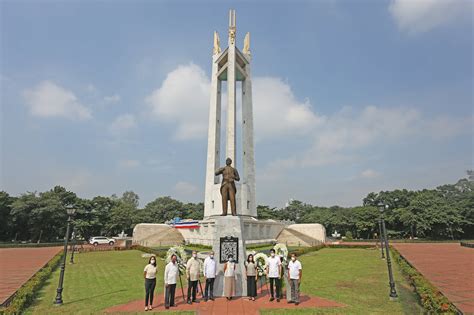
[
  {"x": 448, "y": 266},
  {"x": 221, "y": 306},
  {"x": 17, "y": 265}
]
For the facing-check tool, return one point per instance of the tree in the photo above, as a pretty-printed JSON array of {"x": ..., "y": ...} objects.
[
  {"x": 130, "y": 198},
  {"x": 163, "y": 209},
  {"x": 265, "y": 213},
  {"x": 6, "y": 229},
  {"x": 21, "y": 209}
]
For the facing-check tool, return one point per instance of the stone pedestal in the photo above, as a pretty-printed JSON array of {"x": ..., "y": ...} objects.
[{"x": 229, "y": 226}]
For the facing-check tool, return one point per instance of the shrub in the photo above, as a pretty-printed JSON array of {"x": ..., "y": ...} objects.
[
  {"x": 157, "y": 252},
  {"x": 349, "y": 235},
  {"x": 27, "y": 292},
  {"x": 432, "y": 300}
]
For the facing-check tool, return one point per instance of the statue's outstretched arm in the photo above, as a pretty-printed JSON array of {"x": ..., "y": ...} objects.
[{"x": 219, "y": 171}]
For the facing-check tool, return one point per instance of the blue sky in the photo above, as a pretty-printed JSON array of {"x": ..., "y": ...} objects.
[{"x": 349, "y": 96}]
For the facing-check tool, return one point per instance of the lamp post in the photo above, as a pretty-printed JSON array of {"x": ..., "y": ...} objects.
[
  {"x": 59, "y": 299},
  {"x": 381, "y": 238},
  {"x": 73, "y": 238},
  {"x": 393, "y": 292}
]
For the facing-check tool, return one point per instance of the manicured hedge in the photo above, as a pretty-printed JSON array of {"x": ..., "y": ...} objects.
[
  {"x": 432, "y": 300},
  {"x": 27, "y": 293},
  {"x": 363, "y": 246},
  {"x": 157, "y": 252},
  {"x": 467, "y": 244}
]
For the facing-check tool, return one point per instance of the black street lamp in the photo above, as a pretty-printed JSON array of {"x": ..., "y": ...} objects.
[
  {"x": 59, "y": 299},
  {"x": 381, "y": 238},
  {"x": 73, "y": 238},
  {"x": 393, "y": 292}
]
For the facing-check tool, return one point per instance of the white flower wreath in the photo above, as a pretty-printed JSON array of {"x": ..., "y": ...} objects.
[
  {"x": 180, "y": 255},
  {"x": 262, "y": 261},
  {"x": 281, "y": 250}
]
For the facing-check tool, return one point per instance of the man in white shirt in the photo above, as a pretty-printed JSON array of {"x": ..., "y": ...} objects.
[
  {"x": 210, "y": 274},
  {"x": 294, "y": 278},
  {"x": 274, "y": 273},
  {"x": 171, "y": 277}
]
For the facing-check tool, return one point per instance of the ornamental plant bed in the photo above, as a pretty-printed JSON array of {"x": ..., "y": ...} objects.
[
  {"x": 432, "y": 300},
  {"x": 27, "y": 292}
]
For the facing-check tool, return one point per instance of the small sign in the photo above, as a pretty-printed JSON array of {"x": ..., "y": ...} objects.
[{"x": 229, "y": 246}]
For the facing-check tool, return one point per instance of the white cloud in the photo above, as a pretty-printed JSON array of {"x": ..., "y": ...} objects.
[
  {"x": 277, "y": 111},
  {"x": 349, "y": 129},
  {"x": 341, "y": 136},
  {"x": 183, "y": 98},
  {"x": 187, "y": 191},
  {"x": 122, "y": 124},
  {"x": 91, "y": 88},
  {"x": 48, "y": 99},
  {"x": 75, "y": 180},
  {"x": 417, "y": 16},
  {"x": 369, "y": 173},
  {"x": 112, "y": 99},
  {"x": 128, "y": 163}
]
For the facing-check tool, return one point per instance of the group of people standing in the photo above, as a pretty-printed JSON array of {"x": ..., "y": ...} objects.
[{"x": 274, "y": 272}]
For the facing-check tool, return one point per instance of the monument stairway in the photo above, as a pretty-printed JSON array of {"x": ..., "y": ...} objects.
[
  {"x": 291, "y": 237},
  {"x": 166, "y": 237}
]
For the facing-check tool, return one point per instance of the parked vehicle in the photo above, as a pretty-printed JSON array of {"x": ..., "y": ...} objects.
[{"x": 97, "y": 240}]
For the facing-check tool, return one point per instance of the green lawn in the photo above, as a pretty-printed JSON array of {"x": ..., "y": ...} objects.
[
  {"x": 355, "y": 277},
  {"x": 98, "y": 280}
]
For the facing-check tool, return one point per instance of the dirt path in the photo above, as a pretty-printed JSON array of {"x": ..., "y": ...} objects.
[
  {"x": 17, "y": 265},
  {"x": 448, "y": 266},
  {"x": 221, "y": 306}
]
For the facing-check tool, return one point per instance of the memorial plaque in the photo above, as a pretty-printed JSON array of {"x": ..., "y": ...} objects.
[{"x": 229, "y": 246}]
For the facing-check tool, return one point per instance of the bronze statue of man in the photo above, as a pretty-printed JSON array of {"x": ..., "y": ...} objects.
[{"x": 228, "y": 189}]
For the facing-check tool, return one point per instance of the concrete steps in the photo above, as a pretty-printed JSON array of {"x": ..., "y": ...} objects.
[{"x": 291, "y": 237}]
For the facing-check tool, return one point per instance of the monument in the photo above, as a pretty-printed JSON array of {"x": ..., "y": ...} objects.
[
  {"x": 230, "y": 234},
  {"x": 228, "y": 189}
]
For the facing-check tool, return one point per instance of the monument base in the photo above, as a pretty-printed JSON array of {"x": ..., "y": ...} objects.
[
  {"x": 255, "y": 231},
  {"x": 228, "y": 239}
]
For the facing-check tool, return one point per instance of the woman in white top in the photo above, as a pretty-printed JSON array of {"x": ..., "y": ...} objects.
[
  {"x": 149, "y": 273},
  {"x": 229, "y": 278}
]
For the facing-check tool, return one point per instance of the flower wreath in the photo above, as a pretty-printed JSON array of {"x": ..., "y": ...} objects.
[
  {"x": 262, "y": 261},
  {"x": 181, "y": 257}
]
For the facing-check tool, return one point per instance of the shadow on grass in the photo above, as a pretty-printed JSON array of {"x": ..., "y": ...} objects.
[{"x": 94, "y": 296}]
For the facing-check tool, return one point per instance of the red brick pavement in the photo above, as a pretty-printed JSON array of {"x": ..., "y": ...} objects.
[
  {"x": 221, "y": 306},
  {"x": 17, "y": 265},
  {"x": 448, "y": 266}
]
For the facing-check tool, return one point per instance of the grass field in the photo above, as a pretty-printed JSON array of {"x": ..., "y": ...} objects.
[
  {"x": 97, "y": 281},
  {"x": 355, "y": 277}
]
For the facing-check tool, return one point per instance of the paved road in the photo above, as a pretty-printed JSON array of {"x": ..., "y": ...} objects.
[
  {"x": 448, "y": 266},
  {"x": 17, "y": 265}
]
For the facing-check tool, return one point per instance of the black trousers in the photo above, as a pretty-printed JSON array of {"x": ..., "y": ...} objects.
[
  {"x": 169, "y": 294},
  {"x": 251, "y": 286},
  {"x": 209, "y": 289},
  {"x": 277, "y": 283},
  {"x": 150, "y": 285},
  {"x": 192, "y": 286}
]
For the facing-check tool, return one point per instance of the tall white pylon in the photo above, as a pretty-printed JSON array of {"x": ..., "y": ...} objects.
[{"x": 231, "y": 65}]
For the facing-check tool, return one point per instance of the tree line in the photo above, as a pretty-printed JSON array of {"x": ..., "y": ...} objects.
[{"x": 446, "y": 212}]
